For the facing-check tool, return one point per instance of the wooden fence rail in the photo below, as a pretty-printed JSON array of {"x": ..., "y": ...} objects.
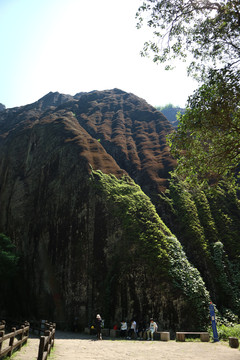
[
  {"x": 39, "y": 326},
  {"x": 46, "y": 343},
  {"x": 16, "y": 339}
]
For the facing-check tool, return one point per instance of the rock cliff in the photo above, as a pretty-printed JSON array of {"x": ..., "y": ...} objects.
[{"x": 86, "y": 247}]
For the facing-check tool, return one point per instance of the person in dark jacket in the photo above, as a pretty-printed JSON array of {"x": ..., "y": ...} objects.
[
  {"x": 141, "y": 329},
  {"x": 98, "y": 324}
]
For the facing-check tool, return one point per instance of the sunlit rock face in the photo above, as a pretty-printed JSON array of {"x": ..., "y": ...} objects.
[{"x": 62, "y": 224}]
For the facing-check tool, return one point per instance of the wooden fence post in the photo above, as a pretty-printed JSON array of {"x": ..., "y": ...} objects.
[
  {"x": 41, "y": 348},
  {"x": 27, "y": 324},
  {"x": 11, "y": 341},
  {"x": 46, "y": 343},
  {"x": 1, "y": 335},
  {"x": 53, "y": 337},
  {"x": 47, "y": 347},
  {"x": 21, "y": 336}
]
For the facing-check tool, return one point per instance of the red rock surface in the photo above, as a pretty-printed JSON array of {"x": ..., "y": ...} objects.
[{"x": 116, "y": 132}]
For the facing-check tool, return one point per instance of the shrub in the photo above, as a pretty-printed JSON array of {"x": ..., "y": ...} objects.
[{"x": 224, "y": 332}]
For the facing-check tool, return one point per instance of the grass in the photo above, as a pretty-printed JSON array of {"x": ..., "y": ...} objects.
[
  {"x": 224, "y": 332},
  {"x": 190, "y": 339}
]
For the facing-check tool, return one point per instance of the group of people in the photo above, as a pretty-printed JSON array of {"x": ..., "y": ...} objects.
[
  {"x": 137, "y": 331},
  {"x": 134, "y": 331}
]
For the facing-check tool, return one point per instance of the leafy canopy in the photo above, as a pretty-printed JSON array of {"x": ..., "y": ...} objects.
[
  {"x": 208, "y": 137},
  {"x": 208, "y": 30},
  {"x": 207, "y": 142}
]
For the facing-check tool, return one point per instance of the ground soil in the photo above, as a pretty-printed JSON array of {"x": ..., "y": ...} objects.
[{"x": 71, "y": 346}]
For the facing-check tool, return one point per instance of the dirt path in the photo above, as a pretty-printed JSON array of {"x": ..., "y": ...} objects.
[{"x": 71, "y": 346}]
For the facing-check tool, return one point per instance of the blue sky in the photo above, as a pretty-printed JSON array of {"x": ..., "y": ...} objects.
[{"x": 80, "y": 45}]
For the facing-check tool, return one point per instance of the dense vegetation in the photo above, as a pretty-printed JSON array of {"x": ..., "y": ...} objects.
[
  {"x": 149, "y": 242},
  {"x": 206, "y": 143},
  {"x": 224, "y": 332},
  {"x": 207, "y": 224},
  {"x": 201, "y": 259},
  {"x": 209, "y": 131}
]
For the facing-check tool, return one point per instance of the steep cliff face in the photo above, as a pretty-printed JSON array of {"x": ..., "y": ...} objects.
[{"x": 86, "y": 246}]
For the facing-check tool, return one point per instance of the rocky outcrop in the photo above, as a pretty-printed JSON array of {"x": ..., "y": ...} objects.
[
  {"x": 86, "y": 247},
  {"x": 113, "y": 124}
]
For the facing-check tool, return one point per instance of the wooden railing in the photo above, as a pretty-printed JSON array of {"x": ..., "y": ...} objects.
[
  {"x": 46, "y": 343},
  {"x": 16, "y": 339},
  {"x": 2, "y": 325},
  {"x": 39, "y": 327}
]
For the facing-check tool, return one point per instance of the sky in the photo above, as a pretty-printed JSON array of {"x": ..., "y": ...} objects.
[{"x": 73, "y": 46}]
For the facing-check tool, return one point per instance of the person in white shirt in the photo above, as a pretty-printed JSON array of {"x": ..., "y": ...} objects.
[
  {"x": 98, "y": 324},
  {"x": 123, "y": 329},
  {"x": 152, "y": 329},
  {"x": 133, "y": 329}
]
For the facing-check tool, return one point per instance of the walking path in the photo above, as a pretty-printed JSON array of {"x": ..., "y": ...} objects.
[{"x": 71, "y": 346}]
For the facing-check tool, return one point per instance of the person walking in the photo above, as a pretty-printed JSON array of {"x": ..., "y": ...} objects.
[
  {"x": 98, "y": 324},
  {"x": 152, "y": 329}
]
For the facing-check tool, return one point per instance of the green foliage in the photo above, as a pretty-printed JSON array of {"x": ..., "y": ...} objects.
[
  {"x": 219, "y": 258},
  {"x": 224, "y": 332},
  {"x": 149, "y": 242},
  {"x": 228, "y": 277},
  {"x": 208, "y": 226},
  {"x": 205, "y": 216},
  {"x": 189, "y": 226},
  {"x": 166, "y": 107},
  {"x": 188, "y": 279},
  {"x": 207, "y": 30},
  {"x": 137, "y": 214},
  {"x": 8, "y": 258},
  {"x": 207, "y": 141},
  {"x": 226, "y": 317},
  {"x": 225, "y": 209}
]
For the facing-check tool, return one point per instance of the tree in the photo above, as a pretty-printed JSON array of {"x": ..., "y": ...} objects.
[
  {"x": 207, "y": 142},
  {"x": 208, "y": 30}
]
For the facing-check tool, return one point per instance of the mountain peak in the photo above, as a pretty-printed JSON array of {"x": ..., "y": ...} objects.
[
  {"x": 2, "y": 107},
  {"x": 52, "y": 99}
]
